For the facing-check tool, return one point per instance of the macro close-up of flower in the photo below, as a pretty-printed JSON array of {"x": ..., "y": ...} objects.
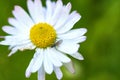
[{"x": 49, "y": 32}]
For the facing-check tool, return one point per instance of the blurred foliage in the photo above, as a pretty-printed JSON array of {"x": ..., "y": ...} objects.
[{"x": 101, "y": 50}]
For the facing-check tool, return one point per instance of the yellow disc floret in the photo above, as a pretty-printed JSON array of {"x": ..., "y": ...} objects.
[{"x": 42, "y": 35}]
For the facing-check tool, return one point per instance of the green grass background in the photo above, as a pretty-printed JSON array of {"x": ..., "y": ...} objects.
[{"x": 101, "y": 50}]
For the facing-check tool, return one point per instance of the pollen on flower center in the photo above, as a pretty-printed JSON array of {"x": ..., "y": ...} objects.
[{"x": 43, "y": 35}]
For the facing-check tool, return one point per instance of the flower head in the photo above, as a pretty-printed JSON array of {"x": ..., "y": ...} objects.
[{"x": 47, "y": 30}]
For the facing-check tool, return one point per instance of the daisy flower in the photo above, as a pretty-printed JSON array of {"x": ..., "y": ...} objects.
[{"x": 47, "y": 30}]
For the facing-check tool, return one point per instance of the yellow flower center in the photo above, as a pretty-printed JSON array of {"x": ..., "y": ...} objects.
[{"x": 43, "y": 35}]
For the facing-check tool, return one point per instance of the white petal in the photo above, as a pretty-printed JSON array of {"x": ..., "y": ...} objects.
[
  {"x": 16, "y": 37},
  {"x": 72, "y": 19},
  {"x": 75, "y": 33},
  {"x": 79, "y": 39},
  {"x": 70, "y": 67},
  {"x": 36, "y": 10},
  {"x": 15, "y": 23},
  {"x": 31, "y": 64},
  {"x": 63, "y": 16},
  {"x": 23, "y": 43},
  {"x": 49, "y": 11},
  {"x": 47, "y": 63},
  {"x": 28, "y": 70},
  {"x": 9, "y": 29},
  {"x": 54, "y": 58},
  {"x": 41, "y": 74},
  {"x": 22, "y": 16},
  {"x": 17, "y": 41},
  {"x": 39, "y": 11},
  {"x": 61, "y": 56},
  {"x": 68, "y": 47},
  {"x": 57, "y": 11},
  {"x": 27, "y": 46},
  {"x": 38, "y": 61},
  {"x": 64, "y": 58},
  {"x": 14, "y": 50},
  {"x": 77, "y": 56},
  {"x": 38, "y": 52},
  {"x": 21, "y": 28},
  {"x": 68, "y": 7},
  {"x": 4, "y": 42},
  {"x": 31, "y": 9},
  {"x": 58, "y": 73}
]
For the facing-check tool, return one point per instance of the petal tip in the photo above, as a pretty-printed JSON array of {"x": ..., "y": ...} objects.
[
  {"x": 27, "y": 74},
  {"x": 9, "y": 54}
]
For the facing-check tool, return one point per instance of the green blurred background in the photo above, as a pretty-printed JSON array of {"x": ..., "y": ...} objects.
[{"x": 101, "y": 49}]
